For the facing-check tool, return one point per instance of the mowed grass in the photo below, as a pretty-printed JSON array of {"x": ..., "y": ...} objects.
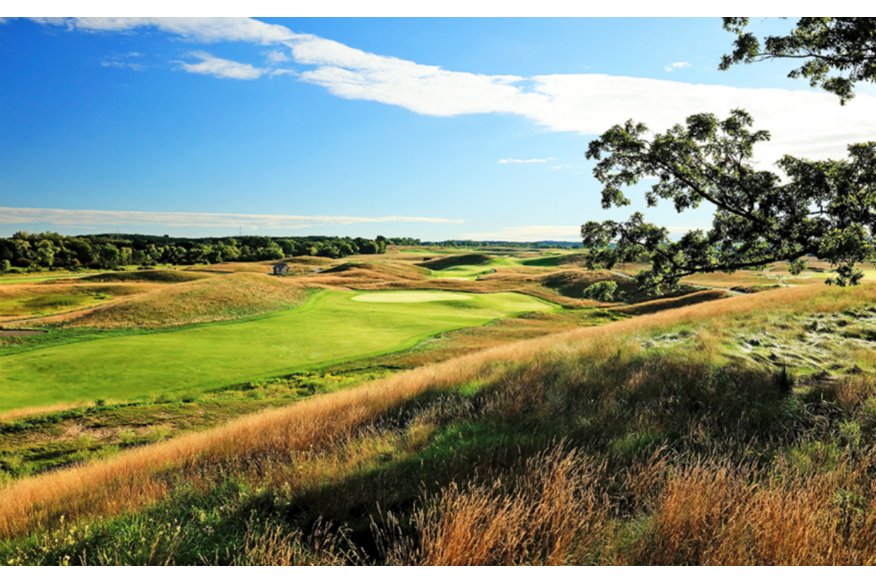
[
  {"x": 328, "y": 328},
  {"x": 33, "y": 279}
]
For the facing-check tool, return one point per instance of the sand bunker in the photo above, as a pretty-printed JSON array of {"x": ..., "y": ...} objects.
[
  {"x": 410, "y": 297},
  {"x": 19, "y": 333}
]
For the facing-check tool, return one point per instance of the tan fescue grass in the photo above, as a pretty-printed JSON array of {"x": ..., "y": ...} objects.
[
  {"x": 721, "y": 514},
  {"x": 36, "y": 410},
  {"x": 555, "y": 509},
  {"x": 204, "y": 300},
  {"x": 138, "y": 477},
  {"x": 667, "y": 303}
]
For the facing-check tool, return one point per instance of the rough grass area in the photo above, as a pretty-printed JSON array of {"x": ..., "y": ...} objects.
[
  {"x": 158, "y": 276},
  {"x": 202, "y": 300},
  {"x": 652, "y": 306},
  {"x": 553, "y": 261},
  {"x": 27, "y": 301},
  {"x": 588, "y": 447},
  {"x": 472, "y": 259}
]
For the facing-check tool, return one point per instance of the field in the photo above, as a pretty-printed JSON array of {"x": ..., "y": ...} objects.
[
  {"x": 370, "y": 411},
  {"x": 329, "y": 327}
]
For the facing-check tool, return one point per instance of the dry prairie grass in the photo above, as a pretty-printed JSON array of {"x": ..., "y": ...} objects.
[
  {"x": 203, "y": 300},
  {"x": 34, "y": 411},
  {"x": 556, "y": 508},
  {"x": 667, "y": 303}
]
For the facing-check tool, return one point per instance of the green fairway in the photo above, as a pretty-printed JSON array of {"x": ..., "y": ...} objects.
[
  {"x": 33, "y": 279},
  {"x": 331, "y": 326},
  {"x": 474, "y": 271}
]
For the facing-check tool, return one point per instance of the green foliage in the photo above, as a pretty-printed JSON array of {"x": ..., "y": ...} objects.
[
  {"x": 825, "y": 208},
  {"x": 601, "y": 291},
  {"x": 839, "y": 52}
]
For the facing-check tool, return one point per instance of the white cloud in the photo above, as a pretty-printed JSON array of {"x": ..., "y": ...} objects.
[
  {"x": 275, "y": 72},
  {"x": 209, "y": 29},
  {"x": 519, "y": 161},
  {"x": 275, "y": 57},
  {"x": 74, "y": 218},
  {"x": 560, "y": 166},
  {"x": 678, "y": 65},
  {"x": 123, "y": 65},
  {"x": 803, "y": 123},
  {"x": 529, "y": 233},
  {"x": 217, "y": 67}
]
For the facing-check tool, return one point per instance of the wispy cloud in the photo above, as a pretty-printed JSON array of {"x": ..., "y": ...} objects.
[
  {"x": 77, "y": 218},
  {"x": 123, "y": 65},
  {"x": 217, "y": 67},
  {"x": 519, "y": 161},
  {"x": 529, "y": 233},
  {"x": 679, "y": 65},
  {"x": 275, "y": 72},
  {"x": 584, "y": 103},
  {"x": 275, "y": 57},
  {"x": 560, "y": 166}
]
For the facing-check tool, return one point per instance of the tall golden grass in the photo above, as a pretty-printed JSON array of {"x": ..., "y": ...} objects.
[{"x": 203, "y": 300}]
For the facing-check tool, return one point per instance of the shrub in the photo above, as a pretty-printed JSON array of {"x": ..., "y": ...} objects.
[{"x": 601, "y": 291}]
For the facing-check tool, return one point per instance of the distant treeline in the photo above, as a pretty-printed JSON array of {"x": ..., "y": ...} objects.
[
  {"x": 110, "y": 251},
  {"x": 467, "y": 243}
]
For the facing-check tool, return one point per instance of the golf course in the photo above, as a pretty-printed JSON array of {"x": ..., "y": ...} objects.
[{"x": 329, "y": 327}]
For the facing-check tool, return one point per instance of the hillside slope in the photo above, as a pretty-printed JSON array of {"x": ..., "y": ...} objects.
[{"x": 738, "y": 431}]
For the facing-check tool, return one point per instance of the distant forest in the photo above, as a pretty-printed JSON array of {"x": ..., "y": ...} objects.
[
  {"x": 38, "y": 251},
  {"x": 110, "y": 251}
]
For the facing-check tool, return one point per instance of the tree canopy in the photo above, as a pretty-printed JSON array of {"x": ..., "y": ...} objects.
[
  {"x": 838, "y": 52},
  {"x": 824, "y": 208},
  {"x": 820, "y": 208}
]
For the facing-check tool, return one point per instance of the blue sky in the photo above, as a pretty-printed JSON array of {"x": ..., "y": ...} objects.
[{"x": 430, "y": 128}]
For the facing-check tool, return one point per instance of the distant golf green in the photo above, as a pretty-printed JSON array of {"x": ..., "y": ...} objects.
[{"x": 331, "y": 326}]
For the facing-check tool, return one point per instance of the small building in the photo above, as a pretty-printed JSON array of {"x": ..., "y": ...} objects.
[{"x": 281, "y": 269}]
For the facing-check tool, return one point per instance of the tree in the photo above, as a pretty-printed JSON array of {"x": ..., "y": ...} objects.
[
  {"x": 839, "y": 51},
  {"x": 825, "y": 208},
  {"x": 601, "y": 291},
  {"x": 5, "y": 266},
  {"x": 109, "y": 256}
]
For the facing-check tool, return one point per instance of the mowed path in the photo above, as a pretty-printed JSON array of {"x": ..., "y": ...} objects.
[{"x": 331, "y": 326}]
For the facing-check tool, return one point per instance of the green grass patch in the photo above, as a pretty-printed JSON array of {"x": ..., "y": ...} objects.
[
  {"x": 330, "y": 327},
  {"x": 45, "y": 304}
]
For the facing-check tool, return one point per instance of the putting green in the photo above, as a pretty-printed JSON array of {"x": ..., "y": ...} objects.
[
  {"x": 405, "y": 296},
  {"x": 332, "y": 326}
]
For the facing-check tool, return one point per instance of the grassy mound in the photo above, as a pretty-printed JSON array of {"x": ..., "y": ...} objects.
[
  {"x": 202, "y": 300},
  {"x": 472, "y": 259},
  {"x": 572, "y": 283},
  {"x": 554, "y": 261},
  {"x": 355, "y": 274},
  {"x": 676, "y": 302},
  {"x": 157, "y": 276}
]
